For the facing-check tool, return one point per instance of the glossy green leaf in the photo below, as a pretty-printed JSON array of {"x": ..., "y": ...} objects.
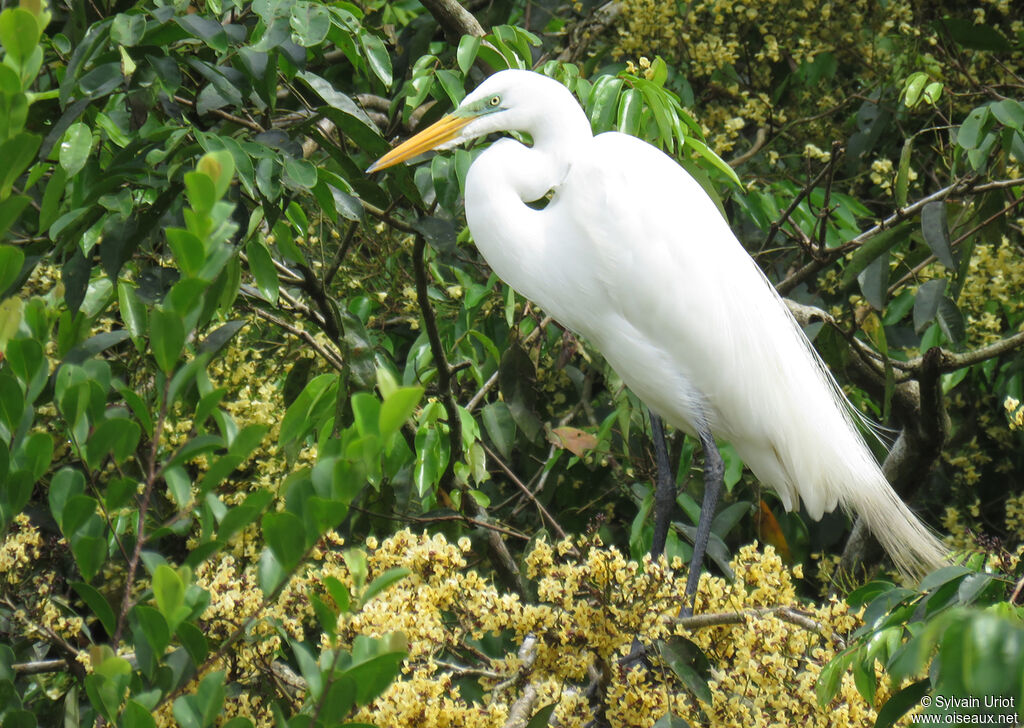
[
  {"x": 378, "y": 57},
  {"x": 466, "y": 53},
  {"x": 75, "y": 148},
  {"x": 310, "y": 23}
]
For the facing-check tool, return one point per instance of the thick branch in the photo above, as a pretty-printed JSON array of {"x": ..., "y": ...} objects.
[{"x": 454, "y": 19}]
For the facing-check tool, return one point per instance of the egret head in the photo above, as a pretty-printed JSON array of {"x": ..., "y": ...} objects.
[{"x": 511, "y": 100}]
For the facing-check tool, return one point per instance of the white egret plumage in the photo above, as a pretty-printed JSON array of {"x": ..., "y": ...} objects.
[{"x": 631, "y": 253}]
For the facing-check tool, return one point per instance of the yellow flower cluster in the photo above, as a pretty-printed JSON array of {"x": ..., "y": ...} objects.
[
  {"x": 591, "y": 604},
  {"x": 40, "y": 612},
  {"x": 1015, "y": 413},
  {"x": 18, "y": 550},
  {"x": 992, "y": 291},
  {"x": 733, "y": 46}
]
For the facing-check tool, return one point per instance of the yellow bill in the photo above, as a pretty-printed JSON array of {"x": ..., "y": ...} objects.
[{"x": 433, "y": 136}]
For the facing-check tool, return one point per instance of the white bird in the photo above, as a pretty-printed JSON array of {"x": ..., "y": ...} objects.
[{"x": 631, "y": 253}]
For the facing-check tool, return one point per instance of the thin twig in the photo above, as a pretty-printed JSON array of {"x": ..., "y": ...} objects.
[
  {"x": 526, "y": 491},
  {"x": 777, "y": 224},
  {"x": 444, "y": 372}
]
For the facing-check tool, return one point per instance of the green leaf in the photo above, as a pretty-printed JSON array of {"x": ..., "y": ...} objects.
[
  {"x": 219, "y": 166},
  {"x": 903, "y": 173},
  {"x": 298, "y": 173},
  {"x": 154, "y": 626},
  {"x": 202, "y": 193},
  {"x": 10, "y": 209},
  {"x": 310, "y": 24},
  {"x": 864, "y": 679},
  {"x": 705, "y": 151},
  {"x": 66, "y": 484},
  {"x": 115, "y": 435},
  {"x": 378, "y": 57},
  {"x": 135, "y": 715},
  {"x": 169, "y": 592},
  {"x": 690, "y": 665},
  {"x": 926, "y": 302},
  {"x": 541, "y": 718},
  {"x": 17, "y": 153},
  {"x": 11, "y": 260},
  {"x": 976, "y": 36},
  {"x": 299, "y": 419},
  {"x": 951, "y": 320},
  {"x": 631, "y": 106},
  {"x": 902, "y": 703},
  {"x": 75, "y": 148},
  {"x": 943, "y": 576},
  {"x": 19, "y": 33},
  {"x": 374, "y": 675},
  {"x": 912, "y": 88},
  {"x": 972, "y": 132},
  {"x": 52, "y": 197},
  {"x": 874, "y": 281},
  {"x": 466, "y": 54},
  {"x": 133, "y": 313},
  {"x": 270, "y": 573},
  {"x": 831, "y": 677},
  {"x": 189, "y": 251},
  {"x": 603, "y": 103},
  {"x": 127, "y": 29},
  {"x": 98, "y": 603},
  {"x": 670, "y": 720},
  {"x": 36, "y": 454},
  {"x": 935, "y": 229},
  {"x": 194, "y": 642},
  {"x": 383, "y": 581},
  {"x": 12, "y": 401},
  {"x": 339, "y": 593},
  {"x": 500, "y": 426},
  {"x": 286, "y": 537},
  {"x": 397, "y": 409},
  {"x": 166, "y": 338},
  {"x": 261, "y": 264},
  {"x": 101, "y": 80}
]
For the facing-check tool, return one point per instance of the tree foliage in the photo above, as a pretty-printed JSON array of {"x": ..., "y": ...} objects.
[{"x": 235, "y": 369}]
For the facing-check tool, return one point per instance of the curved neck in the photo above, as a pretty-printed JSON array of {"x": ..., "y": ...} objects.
[{"x": 557, "y": 138}]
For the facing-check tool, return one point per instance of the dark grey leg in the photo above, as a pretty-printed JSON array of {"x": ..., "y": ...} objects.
[
  {"x": 664, "y": 489},
  {"x": 714, "y": 472}
]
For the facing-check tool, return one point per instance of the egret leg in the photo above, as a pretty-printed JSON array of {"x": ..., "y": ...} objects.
[
  {"x": 664, "y": 489},
  {"x": 714, "y": 473}
]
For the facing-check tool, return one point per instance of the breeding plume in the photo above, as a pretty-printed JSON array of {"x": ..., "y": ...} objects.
[{"x": 631, "y": 253}]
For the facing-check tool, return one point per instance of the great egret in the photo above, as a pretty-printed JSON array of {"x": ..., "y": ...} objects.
[{"x": 631, "y": 253}]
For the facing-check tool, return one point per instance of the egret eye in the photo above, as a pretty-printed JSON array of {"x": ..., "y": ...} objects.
[{"x": 494, "y": 101}]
